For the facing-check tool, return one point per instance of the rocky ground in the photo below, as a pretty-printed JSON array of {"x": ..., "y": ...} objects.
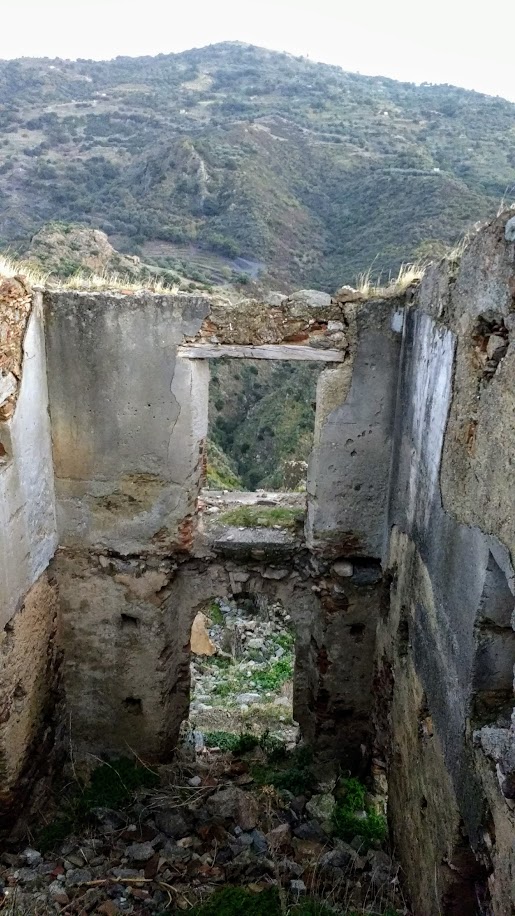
[
  {"x": 242, "y": 674},
  {"x": 219, "y": 832}
]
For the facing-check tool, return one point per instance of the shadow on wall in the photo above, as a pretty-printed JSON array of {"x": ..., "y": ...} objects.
[{"x": 492, "y": 680}]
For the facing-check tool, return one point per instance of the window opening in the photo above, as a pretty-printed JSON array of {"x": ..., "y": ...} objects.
[{"x": 261, "y": 423}]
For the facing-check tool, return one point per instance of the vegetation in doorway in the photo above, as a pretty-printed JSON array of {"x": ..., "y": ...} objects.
[
  {"x": 227, "y": 741},
  {"x": 271, "y": 677},
  {"x": 287, "y": 771},
  {"x": 262, "y": 517}
]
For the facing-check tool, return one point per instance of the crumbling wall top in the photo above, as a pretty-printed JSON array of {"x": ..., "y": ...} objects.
[
  {"x": 306, "y": 317},
  {"x": 15, "y": 308}
]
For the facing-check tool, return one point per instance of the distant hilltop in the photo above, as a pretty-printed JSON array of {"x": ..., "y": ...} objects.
[{"x": 232, "y": 162}]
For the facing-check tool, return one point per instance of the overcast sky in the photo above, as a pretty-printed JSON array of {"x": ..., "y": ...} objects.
[{"x": 440, "y": 41}]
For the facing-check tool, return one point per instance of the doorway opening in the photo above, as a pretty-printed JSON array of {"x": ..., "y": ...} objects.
[{"x": 242, "y": 667}]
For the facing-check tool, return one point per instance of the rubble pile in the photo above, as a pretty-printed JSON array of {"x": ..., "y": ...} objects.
[{"x": 196, "y": 827}]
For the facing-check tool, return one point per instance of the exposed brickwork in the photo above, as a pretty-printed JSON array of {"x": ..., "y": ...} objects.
[{"x": 15, "y": 307}]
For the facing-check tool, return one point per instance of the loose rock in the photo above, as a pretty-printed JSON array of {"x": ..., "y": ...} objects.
[{"x": 233, "y": 803}]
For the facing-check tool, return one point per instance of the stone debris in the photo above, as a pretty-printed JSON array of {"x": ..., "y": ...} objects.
[
  {"x": 234, "y": 804},
  {"x": 321, "y": 809},
  {"x": 348, "y": 294},
  {"x": 197, "y": 832},
  {"x": 509, "y": 230}
]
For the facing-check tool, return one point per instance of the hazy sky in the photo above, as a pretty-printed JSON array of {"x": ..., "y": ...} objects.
[{"x": 441, "y": 41}]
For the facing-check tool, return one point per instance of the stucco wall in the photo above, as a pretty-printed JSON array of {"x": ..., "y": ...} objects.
[
  {"x": 348, "y": 470},
  {"x": 128, "y": 417},
  {"x": 28, "y": 535},
  {"x": 29, "y": 649},
  {"x": 446, "y": 649}
]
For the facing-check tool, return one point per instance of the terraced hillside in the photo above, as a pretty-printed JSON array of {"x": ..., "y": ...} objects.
[{"x": 247, "y": 162}]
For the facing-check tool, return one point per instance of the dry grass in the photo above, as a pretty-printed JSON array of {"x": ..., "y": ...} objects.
[
  {"x": 11, "y": 267},
  {"x": 85, "y": 281},
  {"x": 507, "y": 201},
  {"x": 408, "y": 274}
]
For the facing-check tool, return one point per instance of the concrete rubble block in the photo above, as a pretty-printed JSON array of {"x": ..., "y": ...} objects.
[
  {"x": 8, "y": 385},
  {"x": 271, "y": 572},
  {"x": 496, "y": 346},
  {"x": 321, "y": 809},
  {"x": 312, "y": 298},
  {"x": 348, "y": 294},
  {"x": 234, "y": 804},
  {"x": 509, "y": 230}
]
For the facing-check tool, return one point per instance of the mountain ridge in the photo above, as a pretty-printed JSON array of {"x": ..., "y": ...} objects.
[{"x": 231, "y": 151}]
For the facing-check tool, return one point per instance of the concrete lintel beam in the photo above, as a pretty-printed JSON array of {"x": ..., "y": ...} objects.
[{"x": 273, "y": 351}]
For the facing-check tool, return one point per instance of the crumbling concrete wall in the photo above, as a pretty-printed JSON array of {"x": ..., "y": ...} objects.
[
  {"x": 27, "y": 515},
  {"x": 29, "y": 646},
  {"x": 408, "y": 554},
  {"x": 15, "y": 309},
  {"x": 334, "y": 614},
  {"x": 30, "y": 713},
  {"x": 307, "y": 317},
  {"x": 129, "y": 418},
  {"x": 349, "y": 466},
  {"x": 446, "y": 646}
]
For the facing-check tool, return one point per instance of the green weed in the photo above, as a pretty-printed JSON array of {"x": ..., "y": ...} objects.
[
  {"x": 219, "y": 661},
  {"x": 262, "y": 517},
  {"x": 112, "y": 785},
  {"x": 294, "y": 774},
  {"x": 278, "y": 673},
  {"x": 233, "y": 901},
  {"x": 285, "y": 640},
  {"x": 227, "y": 741},
  {"x": 215, "y": 614},
  {"x": 347, "y": 823},
  {"x": 223, "y": 689}
]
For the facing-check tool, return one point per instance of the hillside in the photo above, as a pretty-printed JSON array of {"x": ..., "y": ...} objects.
[
  {"x": 235, "y": 161},
  {"x": 64, "y": 250},
  {"x": 261, "y": 416}
]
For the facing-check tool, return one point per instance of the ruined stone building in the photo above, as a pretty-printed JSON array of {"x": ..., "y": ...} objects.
[{"x": 402, "y": 587}]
